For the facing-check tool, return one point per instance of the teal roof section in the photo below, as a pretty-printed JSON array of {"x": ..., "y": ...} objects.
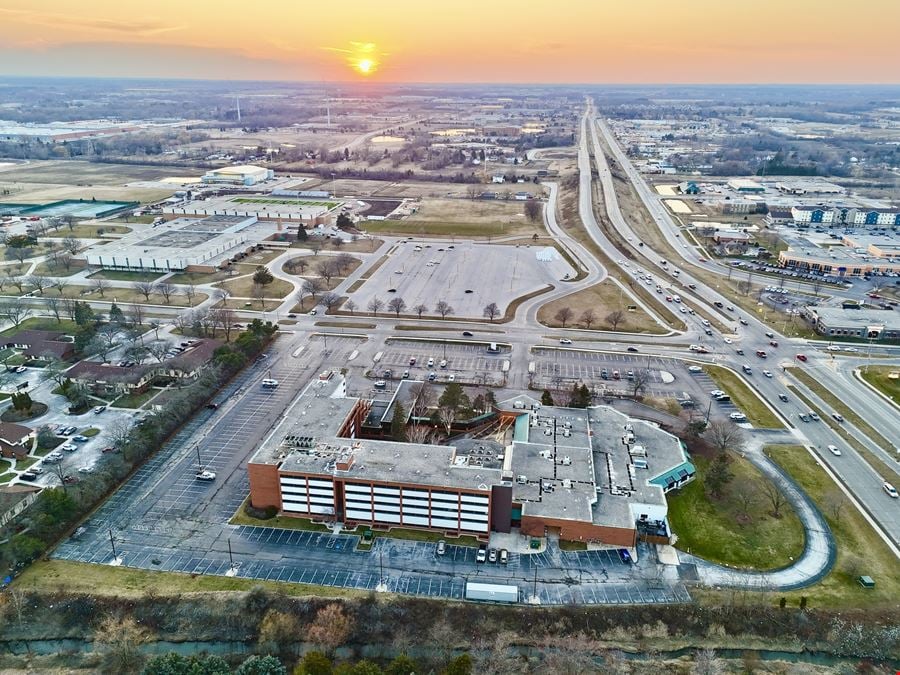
[
  {"x": 520, "y": 430},
  {"x": 673, "y": 475}
]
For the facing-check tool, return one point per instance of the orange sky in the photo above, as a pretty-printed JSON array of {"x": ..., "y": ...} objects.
[{"x": 460, "y": 41}]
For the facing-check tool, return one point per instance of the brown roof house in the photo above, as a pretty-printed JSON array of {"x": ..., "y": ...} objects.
[
  {"x": 36, "y": 344},
  {"x": 104, "y": 378},
  {"x": 15, "y": 440}
]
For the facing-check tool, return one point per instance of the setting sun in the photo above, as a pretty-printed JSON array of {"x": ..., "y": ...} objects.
[{"x": 365, "y": 66}]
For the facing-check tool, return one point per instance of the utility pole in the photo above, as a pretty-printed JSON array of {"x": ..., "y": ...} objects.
[
  {"x": 112, "y": 543},
  {"x": 230, "y": 556}
]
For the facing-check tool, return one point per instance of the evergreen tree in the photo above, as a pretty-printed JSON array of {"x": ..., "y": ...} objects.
[
  {"x": 546, "y": 398},
  {"x": 116, "y": 315},
  {"x": 454, "y": 397},
  {"x": 398, "y": 423},
  {"x": 718, "y": 475},
  {"x": 301, "y": 233}
]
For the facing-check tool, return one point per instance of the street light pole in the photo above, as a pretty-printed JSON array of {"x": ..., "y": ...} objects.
[{"x": 112, "y": 543}]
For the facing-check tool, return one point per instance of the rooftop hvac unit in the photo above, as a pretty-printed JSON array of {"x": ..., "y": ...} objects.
[
  {"x": 640, "y": 463},
  {"x": 521, "y": 479},
  {"x": 638, "y": 450},
  {"x": 567, "y": 461},
  {"x": 629, "y": 427},
  {"x": 567, "y": 483}
]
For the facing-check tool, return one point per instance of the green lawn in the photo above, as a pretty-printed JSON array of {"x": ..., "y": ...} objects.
[
  {"x": 6, "y": 477},
  {"x": 43, "y": 323},
  {"x": 757, "y": 412},
  {"x": 286, "y": 522},
  {"x": 93, "y": 431},
  {"x": 22, "y": 464},
  {"x": 243, "y": 288},
  {"x": 877, "y": 376},
  {"x": 840, "y": 407},
  {"x": 85, "y": 231},
  {"x": 573, "y": 546},
  {"x": 719, "y": 530},
  {"x": 50, "y": 575},
  {"x": 860, "y": 550},
  {"x": 134, "y": 400},
  {"x": 422, "y": 535}
]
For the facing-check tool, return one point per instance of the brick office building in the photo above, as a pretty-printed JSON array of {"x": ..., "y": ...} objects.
[{"x": 589, "y": 475}]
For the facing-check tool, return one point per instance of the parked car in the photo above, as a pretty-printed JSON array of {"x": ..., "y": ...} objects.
[
  {"x": 624, "y": 555},
  {"x": 206, "y": 475},
  {"x": 69, "y": 447},
  {"x": 492, "y": 555},
  {"x": 80, "y": 439},
  {"x": 481, "y": 555},
  {"x": 504, "y": 556},
  {"x": 441, "y": 547},
  {"x": 99, "y": 409},
  {"x": 738, "y": 416}
]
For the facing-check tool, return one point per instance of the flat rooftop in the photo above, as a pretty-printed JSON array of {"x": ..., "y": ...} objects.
[{"x": 857, "y": 318}]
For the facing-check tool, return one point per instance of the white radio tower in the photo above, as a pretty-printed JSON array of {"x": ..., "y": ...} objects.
[{"x": 237, "y": 100}]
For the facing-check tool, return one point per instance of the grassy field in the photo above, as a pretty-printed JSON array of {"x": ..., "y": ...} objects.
[
  {"x": 877, "y": 376},
  {"x": 603, "y": 298},
  {"x": 874, "y": 461},
  {"x": 439, "y": 228},
  {"x": 134, "y": 400},
  {"x": 285, "y": 522},
  {"x": 43, "y": 323},
  {"x": 85, "y": 231},
  {"x": 721, "y": 531},
  {"x": 860, "y": 550},
  {"x": 242, "y": 287},
  {"x": 344, "y": 324},
  {"x": 840, "y": 407},
  {"x": 486, "y": 211},
  {"x": 54, "y": 575},
  {"x": 288, "y": 202},
  {"x": 48, "y": 269},
  {"x": 757, "y": 412}
]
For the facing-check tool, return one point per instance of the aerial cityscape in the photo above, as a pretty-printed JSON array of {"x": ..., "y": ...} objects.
[{"x": 341, "y": 351}]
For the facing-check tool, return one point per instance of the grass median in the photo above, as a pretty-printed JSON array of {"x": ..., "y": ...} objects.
[
  {"x": 860, "y": 550},
  {"x": 734, "y": 528},
  {"x": 52, "y": 576},
  {"x": 879, "y": 377},
  {"x": 757, "y": 412}
]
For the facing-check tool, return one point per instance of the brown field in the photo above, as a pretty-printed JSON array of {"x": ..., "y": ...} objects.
[
  {"x": 469, "y": 211},
  {"x": 603, "y": 298}
]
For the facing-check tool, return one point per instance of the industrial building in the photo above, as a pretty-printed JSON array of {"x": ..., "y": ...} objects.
[
  {"x": 180, "y": 245},
  {"x": 745, "y": 185},
  {"x": 238, "y": 175},
  {"x": 869, "y": 324},
  {"x": 589, "y": 475},
  {"x": 309, "y": 213}
]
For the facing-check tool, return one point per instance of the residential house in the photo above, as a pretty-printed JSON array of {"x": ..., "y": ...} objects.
[
  {"x": 36, "y": 344},
  {"x": 15, "y": 440}
]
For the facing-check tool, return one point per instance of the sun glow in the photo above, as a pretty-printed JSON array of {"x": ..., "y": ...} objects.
[{"x": 365, "y": 66}]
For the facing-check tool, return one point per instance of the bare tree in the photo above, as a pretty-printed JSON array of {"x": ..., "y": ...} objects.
[
  {"x": 222, "y": 294},
  {"x": 166, "y": 290},
  {"x": 145, "y": 288},
  {"x": 420, "y": 309},
  {"x": 16, "y": 311},
  {"x": 331, "y": 628},
  {"x": 258, "y": 291},
  {"x": 344, "y": 261},
  {"x": 21, "y": 253},
  {"x": 746, "y": 494},
  {"x": 725, "y": 436},
  {"x": 154, "y": 325},
  {"x": 374, "y": 305},
  {"x": 588, "y": 318},
  {"x": 614, "y": 318},
  {"x": 53, "y": 306},
  {"x": 327, "y": 269},
  {"x": 137, "y": 313},
  {"x": 418, "y": 433},
  {"x": 706, "y": 663},
  {"x": 533, "y": 210},
  {"x": 639, "y": 381},
  {"x": 443, "y": 308},
  {"x": 297, "y": 265},
  {"x": 774, "y": 496},
  {"x": 491, "y": 311},
  {"x": 564, "y": 315},
  {"x": 834, "y": 503},
  {"x": 107, "y": 333},
  {"x": 38, "y": 282},
  {"x": 447, "y": 416},
  {"x": 350, "y": 306},
  {"x": 315, "y": 245},
  {"x": 224, "y": 319},
  {"x": 70, "y": 244},
  {"x": 100, "y": 285},
  {"x": 312, "y": 287},
  {"x": 190, "y": 292},
  {"x": 60, "y": 284},
  {"x": 396, "y": 305},
  {"x": 157, "y": 349},
  {"x": 329, "y": 300},
  {"x": 66, "y": 261},
  {"x": 425, "y": 399}
]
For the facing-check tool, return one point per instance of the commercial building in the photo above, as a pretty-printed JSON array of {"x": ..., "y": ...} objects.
[
  {"x": 745, "y": 185},
  {"x": 180, "y": 245},
  {"x": 41, "y": 344},
  {"x": 846, "y": 216},
  {"x": 589, "y": 475},
  {"x": 238, "y": 175},
  {"x": 808, "y": 187},
  {"x": 309, "y": 213},
  {"x": 869, "y": 324},
  {"x": 837, "y": 261}
]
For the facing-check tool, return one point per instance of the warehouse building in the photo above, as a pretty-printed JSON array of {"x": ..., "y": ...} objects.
[
  {"x": 587, "y": 475},
  {"x": 180, "y": 245},
  {"x": 309, "y": 213},
  {"x": 745, "y": 185},
  {"x": 238, "y": 175}
]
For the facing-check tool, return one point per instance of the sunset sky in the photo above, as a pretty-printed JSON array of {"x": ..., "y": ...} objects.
[{"x": 603, "y": 41}]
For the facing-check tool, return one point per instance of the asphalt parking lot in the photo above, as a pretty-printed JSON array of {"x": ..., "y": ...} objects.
[
  {"x": 468, "y": 276},
  {"x": 164, "y": 519},
  {"x": 469, "y": 363}
]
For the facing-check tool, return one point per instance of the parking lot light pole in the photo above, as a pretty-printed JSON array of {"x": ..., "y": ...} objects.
[
  {"x": 199, "y": 460},
  {"x": 112, "y": 543},
  {"x": 230, "y": 556}
]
